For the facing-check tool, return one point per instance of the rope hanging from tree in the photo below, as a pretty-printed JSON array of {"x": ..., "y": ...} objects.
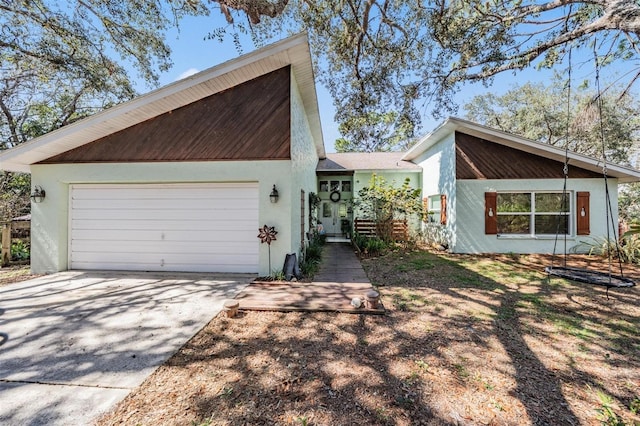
[{"x": 607, "y": 279}]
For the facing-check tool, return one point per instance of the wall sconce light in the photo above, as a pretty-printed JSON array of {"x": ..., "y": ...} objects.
[
  {"x": 274, "y": 195},
  {"x": 38, "y": 194}
]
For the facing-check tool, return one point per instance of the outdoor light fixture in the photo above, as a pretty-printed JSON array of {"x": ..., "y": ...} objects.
[
  {"x": 274, "y": 195},
  {"x": 38, "y": 194}
]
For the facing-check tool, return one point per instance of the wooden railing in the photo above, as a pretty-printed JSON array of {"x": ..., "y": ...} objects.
[
  {"x": 11, "y": 231},
  {"x": 398, "y": 230}
]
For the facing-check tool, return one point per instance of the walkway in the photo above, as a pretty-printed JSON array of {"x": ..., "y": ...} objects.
[{"x": 339, "y": 280}]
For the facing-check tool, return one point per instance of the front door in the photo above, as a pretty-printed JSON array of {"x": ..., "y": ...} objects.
[
  {"x": 329, "y": 219},
  {"x": 334, "y": 216},
  {"x": 334, "y": 211}
]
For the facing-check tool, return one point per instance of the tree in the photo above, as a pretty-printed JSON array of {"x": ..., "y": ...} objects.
[
  {"x": 383, "y": 203},
  {"x": 61, "y": 61},
  {"x": 373, "y": 132},
  {"x": 539, "y": 112},
  {"x": 629, "y": 203},
  {"x": 382, "y": 56}
]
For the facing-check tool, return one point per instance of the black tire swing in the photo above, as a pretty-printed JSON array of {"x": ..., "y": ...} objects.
[{"x": 606, "y": 279}]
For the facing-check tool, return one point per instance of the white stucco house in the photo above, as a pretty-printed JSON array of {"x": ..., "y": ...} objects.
[
  {"x": 495, "y": 192},
  {"x": 183, "y": 178},
  {"x": 180, "y": 179}
]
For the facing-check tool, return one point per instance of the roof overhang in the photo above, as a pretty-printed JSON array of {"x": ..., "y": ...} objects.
[
  {"x": 292, "y": 51},
  {"x": 624, "y": 174}
]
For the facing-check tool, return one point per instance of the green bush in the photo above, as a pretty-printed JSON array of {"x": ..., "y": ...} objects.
[
  {"x": 371, "y": 246},
  {"x": 20, "y": 251},
  {"x": 312, "y": 255},
  {"x": 359, "y": 240},
  {"x": 375, "y": 246},
  {"x": 627, "y": 249}
]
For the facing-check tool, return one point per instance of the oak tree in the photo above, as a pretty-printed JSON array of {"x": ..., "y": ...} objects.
[{"x": 400, "y": 57}]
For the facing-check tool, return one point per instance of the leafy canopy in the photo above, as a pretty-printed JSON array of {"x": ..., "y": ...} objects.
[
  {"x": 544, "y": 113},
  {"x": 389, "y": 60},
  {"x": 382, "y": 201},
  {"x": 61, "y": 61}
]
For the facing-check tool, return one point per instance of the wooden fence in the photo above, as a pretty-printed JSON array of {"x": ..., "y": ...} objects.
[
  {"x": 397, "y": 229},
  {"x": 17, "y": 229}
]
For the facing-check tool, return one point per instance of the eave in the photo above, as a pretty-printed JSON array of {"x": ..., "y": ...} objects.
[
  {"x": 624, "y": 174},
  {"x": 292, "y": 51}
]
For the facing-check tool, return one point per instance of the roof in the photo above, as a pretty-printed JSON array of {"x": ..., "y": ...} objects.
[
  {"x": 624, "y": 174},
  {"x": 292, "y": 51},
  {"x": 366, "y": 161}
]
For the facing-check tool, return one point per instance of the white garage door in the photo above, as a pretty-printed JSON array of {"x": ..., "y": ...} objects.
[{"x": 178, "y": 227}]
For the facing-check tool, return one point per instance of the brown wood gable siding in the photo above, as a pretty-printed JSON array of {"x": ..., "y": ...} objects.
[
  {"x": 481, "y": 159},
  {"x": 248, "y": 122}
]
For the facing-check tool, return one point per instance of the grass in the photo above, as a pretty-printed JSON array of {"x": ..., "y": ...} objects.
[{"x": 419, "y": 261}]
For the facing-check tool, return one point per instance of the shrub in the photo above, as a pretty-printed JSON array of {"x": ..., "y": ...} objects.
[
  {"x": 312, "y": 255},
  {"x": 375, "y": 246},
  {"x": 627, "y": 249},
  {"x": 20, "y": 251},
  {"x": 371, "y": 246}
]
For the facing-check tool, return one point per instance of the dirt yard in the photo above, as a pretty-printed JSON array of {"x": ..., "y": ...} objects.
[{"x": 467, "y": 340}]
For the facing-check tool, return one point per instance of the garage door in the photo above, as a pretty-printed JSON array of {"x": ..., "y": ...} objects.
[{"x": 190, "y": 227}]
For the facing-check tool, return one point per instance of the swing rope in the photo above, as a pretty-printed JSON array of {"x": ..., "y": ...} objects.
[
  {"x": 609, "y": 211},
  {"x": 576, "y": 274},
  {"x": 565, "y": 171}
]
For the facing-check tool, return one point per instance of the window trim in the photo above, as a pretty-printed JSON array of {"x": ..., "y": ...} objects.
[
  {"x": 434, "y": 215},
  {"x": 532, "y": 215}
]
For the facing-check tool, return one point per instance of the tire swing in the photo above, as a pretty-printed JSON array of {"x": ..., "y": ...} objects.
[
  {"x": 335, "y": 196},
  {"x": 606, "y": 279}
]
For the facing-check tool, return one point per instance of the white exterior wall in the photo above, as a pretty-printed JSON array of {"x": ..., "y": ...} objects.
[
  {"x": 470, "y": 215},
  {"x": 304, "y": 160},
  {"x": 50, "y": 219},
  {"x": 394, "y": 178},
  {"x": 439, "y": 177}
]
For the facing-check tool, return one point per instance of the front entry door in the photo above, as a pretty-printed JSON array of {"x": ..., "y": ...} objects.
[
  {"x": 330, "y": 220},
  {"x": 334, "y": 212}
]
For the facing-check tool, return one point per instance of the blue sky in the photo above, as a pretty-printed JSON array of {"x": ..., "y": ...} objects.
[{"x": 192, "y": 52}]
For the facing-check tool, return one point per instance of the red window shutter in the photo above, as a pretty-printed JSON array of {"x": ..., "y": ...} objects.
[
  {"x": 425, "y": 209},
  {"x": 582, "y": 213},
  {"x": 490, "y": 216},
  {"x": 443, "y": 209}
]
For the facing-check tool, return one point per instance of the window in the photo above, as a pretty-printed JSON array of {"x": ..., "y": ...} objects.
[
  {"x": 324, "y": 186},
  {"x": 532, "y": 213},
  {"x": 327, "y": 211},
  {"x": 433, "y": 208},
  {"x": 346, "y": 186},
  {"x": 335, "y": 185},
  {"x": 342, "y": 210}
]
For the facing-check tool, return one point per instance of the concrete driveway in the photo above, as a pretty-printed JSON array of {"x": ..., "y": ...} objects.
[{"x": 75, "y": 343}]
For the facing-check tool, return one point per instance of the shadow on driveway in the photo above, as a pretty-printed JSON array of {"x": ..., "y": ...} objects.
[{"x": 74, "y": 343}]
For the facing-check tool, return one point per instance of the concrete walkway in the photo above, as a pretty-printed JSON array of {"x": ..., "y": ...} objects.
[{"x": 339, "y": 280}]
